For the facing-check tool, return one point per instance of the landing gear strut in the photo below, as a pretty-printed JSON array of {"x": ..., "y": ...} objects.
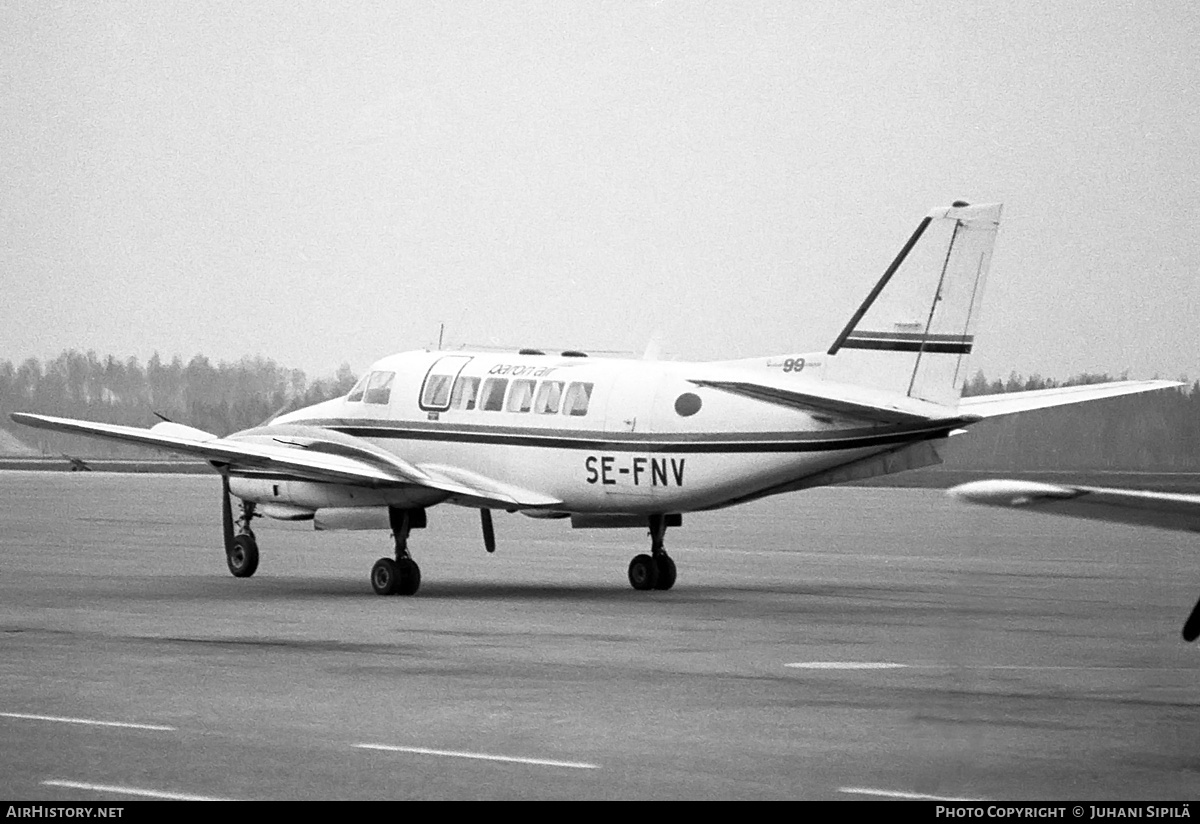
[
  {"x": 241, "y": 550},
  {"x": 401, "y": 576},
  {"x": 656, "y": 570}
]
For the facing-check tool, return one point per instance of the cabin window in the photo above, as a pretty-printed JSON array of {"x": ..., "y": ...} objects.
[
  {"x": 435, "y": 393},
  {"x": 578, "y": 396},
  {"x": 464, "y": 394},
  {"x": 549, "y": 397},
  {"x": 520, "y": 399},
  {"x": 356, "y": 394},
  {"x": 379, "y": 388},
  {"x": 493, "y": 394}
]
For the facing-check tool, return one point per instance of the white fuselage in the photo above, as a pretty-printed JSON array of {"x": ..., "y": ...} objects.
[{"x": 599, "y": 435}]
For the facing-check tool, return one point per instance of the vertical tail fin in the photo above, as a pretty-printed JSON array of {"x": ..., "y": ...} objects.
[{"x": 914, "y": 332}]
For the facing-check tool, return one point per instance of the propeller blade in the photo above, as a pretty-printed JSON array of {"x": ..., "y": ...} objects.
[
  {"x": 489, "y": 534},
  {"x": 1191, "y": 629}
]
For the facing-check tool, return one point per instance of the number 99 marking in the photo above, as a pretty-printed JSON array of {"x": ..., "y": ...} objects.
[{"x": 793, "y": 365}]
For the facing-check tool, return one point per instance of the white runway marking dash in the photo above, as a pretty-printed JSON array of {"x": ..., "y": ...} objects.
[
  {"x": 846, "y": 665},
  {"x": 142, "y": 793},
  {"x": 540, "y": 762},
  {"x": 64, "y": 720},
  {"x": 903, "y": 796}
]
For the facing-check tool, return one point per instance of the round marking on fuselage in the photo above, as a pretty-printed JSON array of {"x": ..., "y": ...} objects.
[{"x": 687, "y": 404}]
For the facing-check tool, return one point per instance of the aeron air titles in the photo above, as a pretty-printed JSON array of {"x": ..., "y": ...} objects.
[{"x": 621, "y": 443}]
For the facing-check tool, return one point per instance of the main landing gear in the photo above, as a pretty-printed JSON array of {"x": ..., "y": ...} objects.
[
  {"x": 401, "y": 576},
  {"x": 656, "y": 570},
  {"x": 241, "y": 550}
]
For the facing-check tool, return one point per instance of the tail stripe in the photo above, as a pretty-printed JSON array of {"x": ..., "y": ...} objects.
[
  {"x": 917, "y": 336},
  {"x": 909, "y": 346}
]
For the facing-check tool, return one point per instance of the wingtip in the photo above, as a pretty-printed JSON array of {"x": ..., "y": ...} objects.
[{"x": 1008, "y": 493}]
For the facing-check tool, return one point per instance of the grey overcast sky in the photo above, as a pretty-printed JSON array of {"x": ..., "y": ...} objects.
[{"x": 327, "y": 182}]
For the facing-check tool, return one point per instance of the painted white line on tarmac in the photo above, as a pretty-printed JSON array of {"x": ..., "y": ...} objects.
[
  {"x": 846, "y": 665},
  {"x": 540, "y": 762},
  {"x": 64, "y": 720},
  {"x": 897, "y": 794},
  {"x": 143, "y": 793},
  {"x": 884, "y": 665},
  {"x": 1057, "y": 668}
]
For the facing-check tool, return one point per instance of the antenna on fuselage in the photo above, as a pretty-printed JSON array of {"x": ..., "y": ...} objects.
[
  {"x": 441, "y": 331},
  {"x": 654, "y": 347}
]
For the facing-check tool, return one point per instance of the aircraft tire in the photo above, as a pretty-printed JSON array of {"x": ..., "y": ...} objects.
[
  {"x": 643, "y": 572},
  {"x": 666, "y": 572},
  {"x": 243, "y": 557},
  {"x": 385, "y": 577},
  {"x": 410, "y": 577}
]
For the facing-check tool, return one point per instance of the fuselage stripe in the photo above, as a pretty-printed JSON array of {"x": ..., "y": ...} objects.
[{"x": 771, "y": 443}]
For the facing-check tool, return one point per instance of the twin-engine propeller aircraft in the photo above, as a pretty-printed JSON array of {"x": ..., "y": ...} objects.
[
  {"x": 1166, "y": 510},
  {"x": 622, "y": 443}
]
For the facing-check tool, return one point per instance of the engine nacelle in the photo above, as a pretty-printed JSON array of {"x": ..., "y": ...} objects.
[
  {"x": 357, "y": 517},
  {"x": 312, "y": 495}
]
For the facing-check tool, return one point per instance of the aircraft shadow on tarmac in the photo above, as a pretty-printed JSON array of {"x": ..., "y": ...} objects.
[{"x": 799, "y": 597}]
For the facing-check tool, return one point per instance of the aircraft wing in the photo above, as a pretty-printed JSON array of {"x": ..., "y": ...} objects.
[
  {"x": 1125, "y": 506},
  {"x": 1008, "y": 403},
  {"x": 307, "y": 459}
]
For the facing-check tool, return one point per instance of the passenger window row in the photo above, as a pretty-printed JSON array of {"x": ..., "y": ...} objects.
[
  {"x": 445, "y": 389},
  {"x": 544, "y": 398}
]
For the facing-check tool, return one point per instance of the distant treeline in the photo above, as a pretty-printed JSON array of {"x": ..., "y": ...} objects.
[
  {"x": 219, "y": 398},
  {"x": 1154, "y": 431}
]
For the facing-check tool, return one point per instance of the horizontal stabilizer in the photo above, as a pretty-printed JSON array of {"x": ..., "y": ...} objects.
[
  {"x": 1125, "y": 506},
  {"x": 825, "y": 397},
  {"x": 1008, "y": 403}
]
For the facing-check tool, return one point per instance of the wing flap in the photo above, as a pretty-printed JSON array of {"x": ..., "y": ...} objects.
[
  {"x": 1125, "y": 506},
  {"x": 482, "y": 488}
]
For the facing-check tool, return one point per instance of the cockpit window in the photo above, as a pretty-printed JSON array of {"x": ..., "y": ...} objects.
[
  {"x": 465, "y": 390},
  {"x": 356, "y": 394},
  {"x": 578, "y": 396},
  {"x": 549, "y": 397},
  {"x": 493, "y": 394},
  {"x": 520, "y": 399},
  {"x": 379, "y": 388},
  {"x": 435, "y": 394}
]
